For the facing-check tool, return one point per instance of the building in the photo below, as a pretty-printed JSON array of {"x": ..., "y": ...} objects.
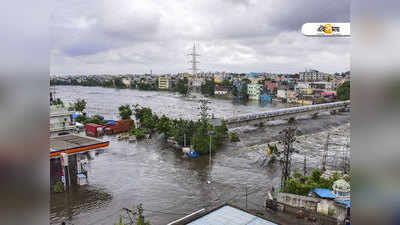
[
  {"x": 219, "y": 90},
  {"x": 313, "y": 75},
  {"x": 60, "y": 120},
  {"x": 254, "y": 90},
  {"x": 341, "y": 190},
  {"x": 163, "y": 82},
  {"x": 334, "y": 202},
  {"x": 68, "y": 158},
  {"x": 224, "y": 214},
  {"x": 271, "y": 86}
]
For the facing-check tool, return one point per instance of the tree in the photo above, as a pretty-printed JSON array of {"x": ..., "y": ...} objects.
[
  {"x": 80, "y": 105},
  {"x": 234, "y": 137},
  {"x": 57, "y": 102},
  {"x": 183, "y": 87},
  {"x": 208, "y": 87},
  {"x": 343, "y": 92},
  {"x": 235, "y": 91},
  {"x": 164, "y": 125},
  {"x": 243, "y": 91},
  {"x": 125, "y": 112}
]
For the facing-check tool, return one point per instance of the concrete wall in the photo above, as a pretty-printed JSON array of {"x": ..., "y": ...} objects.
[{"x": 298, "y": 201}]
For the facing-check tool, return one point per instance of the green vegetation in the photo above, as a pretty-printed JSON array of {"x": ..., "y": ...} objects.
[
  {"x": 125, "y": 112},
  {"x": 58, "y": 187},
  {"x": 141, "y": 221},
  {"x": 57, "y": 102},
  {"x": 227, "y": 83},
  {"x": 182, "y": 87},
  {"x": 80, "y": 105},
  {"x": 343, "y": 92},
  {"x": 119, "y": 84},
  {"x": 234, "y": 137},
  {"x": 208, "y": 87},
  {"x": 196, "y": 132},
  {"x": 302, "y": 185}
]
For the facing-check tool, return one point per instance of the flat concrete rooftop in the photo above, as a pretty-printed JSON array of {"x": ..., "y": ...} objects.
[{"x": 72, "y": 143}]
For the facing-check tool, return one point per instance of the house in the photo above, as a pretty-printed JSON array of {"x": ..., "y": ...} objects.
[
  {"x": 219, "y": 90},
  {"x": 271, "y": 86},
  {"x": 224, "y": 214},
  {"x": 334, "y": 202}
]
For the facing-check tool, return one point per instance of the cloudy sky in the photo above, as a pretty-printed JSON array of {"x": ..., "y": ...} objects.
[{"x": 136, "y": 36}]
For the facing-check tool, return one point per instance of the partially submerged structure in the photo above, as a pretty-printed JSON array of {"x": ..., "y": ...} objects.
[{"x": 69, "y": 158}]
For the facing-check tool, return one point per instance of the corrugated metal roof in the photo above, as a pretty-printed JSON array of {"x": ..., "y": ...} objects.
[
  {"x": 230, "y": 215},
  {"x": 324, "y": 193}
]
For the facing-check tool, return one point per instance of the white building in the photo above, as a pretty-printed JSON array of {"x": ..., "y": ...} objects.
[
  {"x": 60, "y": 120},
  {"x": 313, "y": 75}
]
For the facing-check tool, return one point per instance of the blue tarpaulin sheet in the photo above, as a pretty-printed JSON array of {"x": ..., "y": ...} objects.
[{"x": 324, "y": 193}]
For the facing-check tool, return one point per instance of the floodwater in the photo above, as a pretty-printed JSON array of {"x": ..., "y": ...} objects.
[{"x": 168, "y": 184}]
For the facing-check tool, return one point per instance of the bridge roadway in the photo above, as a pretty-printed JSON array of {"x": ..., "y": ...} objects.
[{"x": 287, "y": 113}]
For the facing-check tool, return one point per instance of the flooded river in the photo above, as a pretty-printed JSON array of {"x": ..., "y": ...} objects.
[{"x": 168, "y": 184}]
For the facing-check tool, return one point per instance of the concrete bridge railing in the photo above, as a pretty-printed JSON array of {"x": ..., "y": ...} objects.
[{"x": 284, "y": 113}]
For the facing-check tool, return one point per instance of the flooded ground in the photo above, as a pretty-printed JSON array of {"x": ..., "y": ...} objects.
[{"x": 170, "y": 185}]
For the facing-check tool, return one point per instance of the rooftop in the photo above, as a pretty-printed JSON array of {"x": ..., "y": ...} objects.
[
  {"x": 226, "y": 214},
  {"x": 72, "y": 143}
]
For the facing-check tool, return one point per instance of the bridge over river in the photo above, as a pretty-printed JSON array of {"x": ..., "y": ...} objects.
[{"x": 261, "y": 118}]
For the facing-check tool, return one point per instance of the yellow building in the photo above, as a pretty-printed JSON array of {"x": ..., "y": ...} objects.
[
  {"x": 163, "y": 82},
  {"x": 306, "y": 91},
  {"x": 218, "y": 80}
]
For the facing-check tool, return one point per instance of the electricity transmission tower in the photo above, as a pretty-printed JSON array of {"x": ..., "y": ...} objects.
[
  {"x": 193, "y": 53},
  {"x": 287, "y": 138}
]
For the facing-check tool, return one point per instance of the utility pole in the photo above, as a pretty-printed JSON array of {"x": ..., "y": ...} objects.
[
  {"x": 246, "y": 196},
  {"x": 305, "y": 166},
  {"x": 325, "y": 154},
  {"x": 211, "y": 132}
]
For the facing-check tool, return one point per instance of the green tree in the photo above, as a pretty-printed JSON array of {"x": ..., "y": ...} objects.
[
  {"x": 316, "y": 176},
  {"x": 164, "y": 125},
  {"x": 57, "y": 102},
  {"x": 235, "y": 91},
  {"x": 343, "y": 92},
  {"x": 80, "y": 105},
  {"x": 208, "y": 88},
  {"x": 182, "y": 87},
  {"x": 125, "y": 112},
  {"x": 235, "y": 137},
  {"x": 243, "y": 92}
]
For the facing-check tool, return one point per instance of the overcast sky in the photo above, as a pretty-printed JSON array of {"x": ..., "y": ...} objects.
[{"x": 135, "y": 36}]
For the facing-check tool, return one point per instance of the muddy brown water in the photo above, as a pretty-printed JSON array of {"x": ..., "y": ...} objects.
[{"x": 168, "y": 184}]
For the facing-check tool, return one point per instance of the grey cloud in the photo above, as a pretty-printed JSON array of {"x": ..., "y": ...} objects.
[{"x": 234, "y": 35}]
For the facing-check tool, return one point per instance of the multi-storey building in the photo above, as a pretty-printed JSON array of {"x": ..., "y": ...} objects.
[
  {"x": 313, "y": 75},
  {"x": 60, "y": 120},
  {"x": 163, "y": 82}
]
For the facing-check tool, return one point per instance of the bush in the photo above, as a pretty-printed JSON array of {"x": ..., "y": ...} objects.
[
  {"x": 58, "y": 187},
  {"x": 94, "y": 119},
  {"x": 140, "y": 133},
  {"x": 80, "y": 119},
  {"x": 234, "y": 137}
]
